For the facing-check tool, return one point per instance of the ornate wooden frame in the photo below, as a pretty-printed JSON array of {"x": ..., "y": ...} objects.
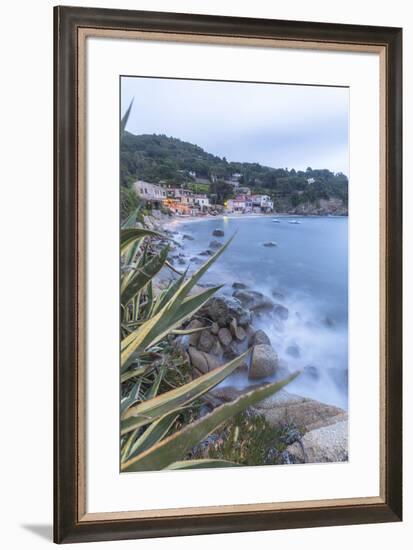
[{"x": 72, "y": 27}]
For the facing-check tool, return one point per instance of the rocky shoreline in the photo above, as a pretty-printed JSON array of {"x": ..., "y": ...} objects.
[{"x": 223, "y": 329}]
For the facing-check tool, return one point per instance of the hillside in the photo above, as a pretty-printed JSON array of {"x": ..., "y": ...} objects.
[{"x": 158, "y": 158}]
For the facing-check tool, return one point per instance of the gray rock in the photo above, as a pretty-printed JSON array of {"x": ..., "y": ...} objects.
[
  {"x": 215, "y": 244},
  {"x": 218, "y": 233},
  {"x": 270, "y": 244},
  {"x": 264, "y": 362},
  {"x": 232, "y": 350},
  {"x": 281, "y": 312},
  {"x": 206, "y": 253},
  {"x": 198, "y": 360},
  {"x": 224, "y": 336},
  {"x": 206, "y": 341},
  {"x": 239, "y": 286},
  {"x": 188, "y": 237},
  {"x": 259, "y": 337},
  {"x": 236, "y": 331},
  {"x": 293, "y": 351},
  {"x": 230, "y": 393},
  {"x": 284, "y": 408},
  {"x": 240, "y": 334},
  {"x": 214, "y": 328},
  {"x": 277, "y": 294},
  {"x": 194, "y": 337},
  {"x": 325, "y": 444},
  {"x": 329, "y": 322},
  {"x": 253, "y": 300},
  {"x": 222, "y": 309},
  {"x": 217, "y": 349},
  {"x": 203, "y": 362}
]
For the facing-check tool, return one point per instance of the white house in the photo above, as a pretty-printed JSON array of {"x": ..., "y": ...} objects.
[
  {"x": 202, "y": 201},
  {"x": 236, "y": 177},
  {"x": 263, "y": 202}
]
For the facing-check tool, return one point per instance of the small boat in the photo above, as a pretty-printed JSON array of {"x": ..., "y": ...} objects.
[
  {"x": 294, "y": 222},
  {"x": 275, "y": 220}
]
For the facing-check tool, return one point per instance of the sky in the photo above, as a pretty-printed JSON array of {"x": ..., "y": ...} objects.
[{"x": 278, "y": 125}]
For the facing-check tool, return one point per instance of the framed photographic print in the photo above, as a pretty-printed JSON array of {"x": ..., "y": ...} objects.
[{"x": 227, "y": 274}]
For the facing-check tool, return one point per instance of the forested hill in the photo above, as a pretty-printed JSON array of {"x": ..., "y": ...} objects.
[{"x": 158, "y": 158}]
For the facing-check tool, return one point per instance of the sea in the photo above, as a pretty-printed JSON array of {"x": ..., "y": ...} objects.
[{"x": 305, "y": 270}]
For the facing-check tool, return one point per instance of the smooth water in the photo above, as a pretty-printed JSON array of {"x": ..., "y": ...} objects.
[{"x": 307, "y": 272}]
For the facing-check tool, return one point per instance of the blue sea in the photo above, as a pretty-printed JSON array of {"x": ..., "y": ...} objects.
[{"x": 307, "y": 271}]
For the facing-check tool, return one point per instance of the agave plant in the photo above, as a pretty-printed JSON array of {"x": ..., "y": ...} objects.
[{"x": 148, "y": 418}]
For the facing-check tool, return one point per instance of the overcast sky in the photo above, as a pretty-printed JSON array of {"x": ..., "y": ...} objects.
[{"x": 276, "y": 125}]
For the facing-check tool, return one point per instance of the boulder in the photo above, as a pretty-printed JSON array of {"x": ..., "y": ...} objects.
[
  {"x": 188, "y": 237},
  {"x": 222, "y": 309},
  {"x": 259, "y": 337},
  {"x": 281, "y": 312},
  {"x": 264, "y": 362},
  {"x": 240, "y": 334},
  {"x": 270, "y": 243},
  {"x": 214, "y": 328},
  {"x": 284, "y": 408},
  {"x": 311, "y": 372},
  {"x": 194, "y": 337},
  {"x": 239, "y": 286},
  {"x": 224, "y": 336},
  {"x": 277, "y": 294},
  {"x": 329, "y": 322},
  {"x": 203, "y": 362},
  {"x": 232, "y": 351},
  {"x": 230, "y": 393},
  {"x": 236, "y": 331},
  {"x": 253, "y": 300},
  {"x": 325, "y": 444},
  {"x": 206, "y": 341},
  {"x": 198, "y": 360},
  {"x": 293, "y": 351},
  {"x": 206, "y": 253},
  {"x": 215, "y": 244},
  {"x": 217, "y": 349},
  {"x": 218, "y": 233}
]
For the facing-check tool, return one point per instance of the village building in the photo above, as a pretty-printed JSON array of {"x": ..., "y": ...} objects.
[
  {"x": 179, "y": 193},
  {"x": 202, "y": 201},
  {"x": 262, "y": 203},
  {"x": 235, "y": 177},
  {"x": 185, "y": 202},
  {"x": 241, "y": 204},
  {"x": 179, "y": 208},
  {"x": 150, "y": 192}
]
